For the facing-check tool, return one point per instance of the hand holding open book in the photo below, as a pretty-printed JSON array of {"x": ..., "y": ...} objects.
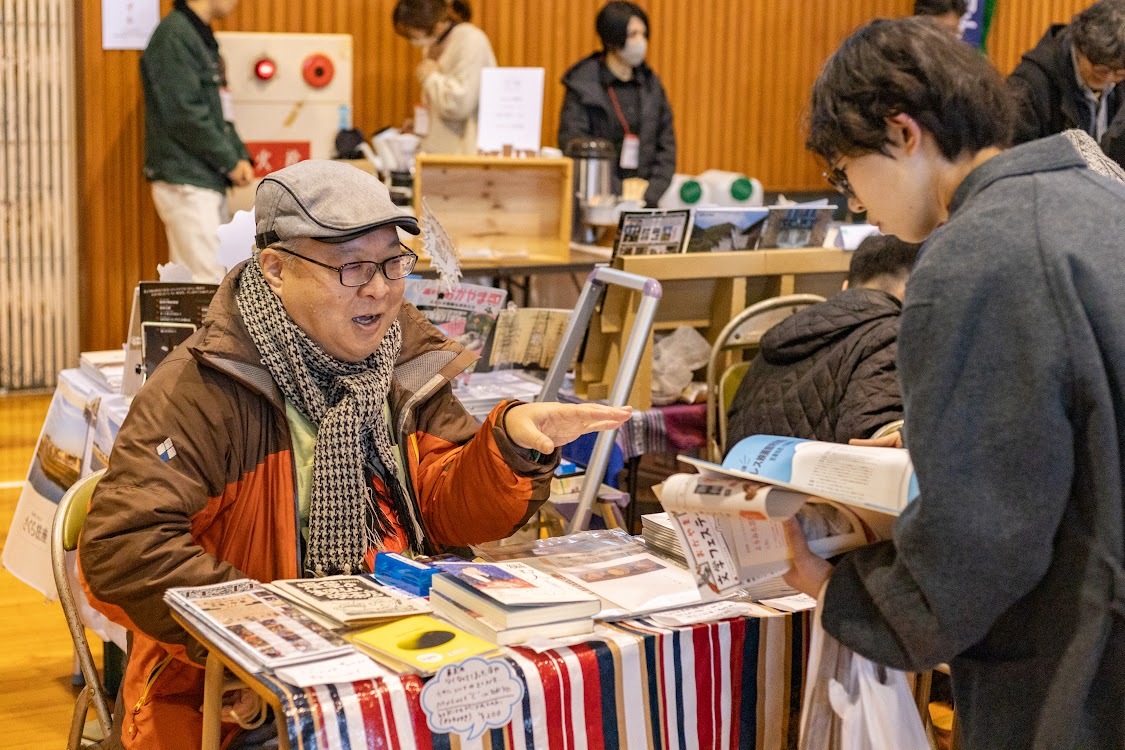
[
  {"x": 808, "y": 571},
  {"x": 729, "y": 517}
]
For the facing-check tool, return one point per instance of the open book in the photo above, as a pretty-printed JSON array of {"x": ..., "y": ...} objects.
[{"x": 727, "y": 517}]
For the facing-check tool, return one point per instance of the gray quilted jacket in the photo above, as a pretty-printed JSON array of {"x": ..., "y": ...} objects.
[{"x": 825, "y": 373}]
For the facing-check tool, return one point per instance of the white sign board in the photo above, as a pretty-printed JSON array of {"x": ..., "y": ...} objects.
[
  {"x": 511, "y": 109},
  {"x": 127, "y": 24}
]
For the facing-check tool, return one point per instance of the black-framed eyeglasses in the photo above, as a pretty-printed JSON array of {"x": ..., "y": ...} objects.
[
  {"x": 362, "y": 271},
  {"x": 839, "y": 180}
]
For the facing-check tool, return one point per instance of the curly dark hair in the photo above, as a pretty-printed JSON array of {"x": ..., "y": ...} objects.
[
  {"x": 907, "y": 66},
  {"x": 881, "y": 255},
  {"x": 1099, "y": 33}
]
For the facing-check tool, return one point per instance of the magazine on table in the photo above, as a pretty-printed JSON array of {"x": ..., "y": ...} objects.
[
  {"x": 420, "y": 644},
  {"x": 728, "y": 517},
  {"x": 253, "y": 625},
  {"x": 466, "y": 313},
  {"x": 350, "y": 600}
]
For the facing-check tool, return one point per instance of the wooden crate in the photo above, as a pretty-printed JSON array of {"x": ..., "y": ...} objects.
[
  {"x": 499, "y": 202},
  {"x": 700, "y": 290}
]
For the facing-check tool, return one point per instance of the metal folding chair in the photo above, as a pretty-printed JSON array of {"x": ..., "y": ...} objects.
[
  {"x": 67, "y": 525},
  {"x": 743, "y": 332}
]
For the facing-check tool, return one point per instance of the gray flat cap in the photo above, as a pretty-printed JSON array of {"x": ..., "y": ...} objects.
[{"x": 326, "y": 200}]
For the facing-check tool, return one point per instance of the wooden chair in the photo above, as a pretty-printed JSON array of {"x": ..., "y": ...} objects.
[
  {"x": 741, "y": 334},
  {"x": 66, "y": 527}
]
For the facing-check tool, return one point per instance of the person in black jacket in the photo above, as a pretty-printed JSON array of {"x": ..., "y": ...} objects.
[
  {"x": 614, "y": 94},
  {"x": 827, "y": 372},
  {"x": 1075, "y": 78}
]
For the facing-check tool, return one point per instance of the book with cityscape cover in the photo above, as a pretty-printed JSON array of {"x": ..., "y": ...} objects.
[
  {"x": 420, "y": 644},
  {"x": 652, "y": 232},
  {"x": 724, "y": 230},
  {"x": 727, "y": 516},
  {"x": 513, "y": 594},
  {"x": 796, "y": 226},
  {"x": 350, "y": 600},
  {"x": 253, "y": 625}
]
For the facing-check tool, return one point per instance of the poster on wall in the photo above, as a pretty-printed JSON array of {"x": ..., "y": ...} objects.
[
  {"x": 974, "y": 26},
  {"x": 128, "y": 24}
]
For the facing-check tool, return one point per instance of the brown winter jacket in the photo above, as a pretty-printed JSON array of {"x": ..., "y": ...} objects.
[{"x": 224, "y": 506}]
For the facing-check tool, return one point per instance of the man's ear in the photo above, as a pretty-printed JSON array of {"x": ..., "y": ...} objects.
[
  {"x": 904, "y": 133},
  {"x": 273, "y": 266}
]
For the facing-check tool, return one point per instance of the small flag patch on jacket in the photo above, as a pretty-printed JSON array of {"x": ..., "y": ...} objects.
[{"x": 166, "y": 450}]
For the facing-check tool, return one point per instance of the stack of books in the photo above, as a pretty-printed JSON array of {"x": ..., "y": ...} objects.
[
  {"x": 508, "y": 603},
  {"x": 106, "y": 368},
  {"x": 660, "y": 536}
]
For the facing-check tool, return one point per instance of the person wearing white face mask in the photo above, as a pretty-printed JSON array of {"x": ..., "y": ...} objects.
[
  {"x": 454, "y": 54},
  {"x": 614, "y": 94}
]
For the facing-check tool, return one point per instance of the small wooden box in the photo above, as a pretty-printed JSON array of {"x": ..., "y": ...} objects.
[{"x": 500, "y": 202}]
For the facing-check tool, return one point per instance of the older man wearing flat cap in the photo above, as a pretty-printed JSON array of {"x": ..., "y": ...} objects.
[{"x": 308, "y": 424}]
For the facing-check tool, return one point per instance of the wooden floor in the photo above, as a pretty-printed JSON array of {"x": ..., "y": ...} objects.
[{"x": 36, "y": 697}]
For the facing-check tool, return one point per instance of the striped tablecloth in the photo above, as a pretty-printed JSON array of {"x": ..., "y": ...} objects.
[{"x": 731, "y": 684}]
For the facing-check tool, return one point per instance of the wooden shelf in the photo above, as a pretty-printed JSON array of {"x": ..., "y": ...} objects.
[
  {"x": 700, "y": 290},
  {"x": 776, "y": 262}
]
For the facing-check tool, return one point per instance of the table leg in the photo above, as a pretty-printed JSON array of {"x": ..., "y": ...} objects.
[
  {"x": 632, "y": 481},
  {"x": 212, "y": 702},
  {"x": 282, "y": 730}
]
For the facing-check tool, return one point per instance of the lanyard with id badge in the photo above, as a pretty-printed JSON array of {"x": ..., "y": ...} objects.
[{"x": 631, "y": 146}]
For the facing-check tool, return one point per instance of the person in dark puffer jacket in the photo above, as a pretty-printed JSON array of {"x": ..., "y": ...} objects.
[{"x": 828, "y": 371}]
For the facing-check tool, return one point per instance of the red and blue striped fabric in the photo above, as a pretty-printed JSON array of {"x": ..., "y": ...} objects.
[{"x": 728, "y": 685}]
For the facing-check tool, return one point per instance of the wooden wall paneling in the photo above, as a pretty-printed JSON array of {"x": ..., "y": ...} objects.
[
  {"x": 738, "y": 74},
  {"x": 1018, "y": 26}
]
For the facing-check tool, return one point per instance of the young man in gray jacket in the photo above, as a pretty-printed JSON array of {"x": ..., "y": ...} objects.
[{"x": 1012, "y": 362}]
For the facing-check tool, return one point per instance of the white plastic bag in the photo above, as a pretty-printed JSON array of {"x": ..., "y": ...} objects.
[
  {"x": 674, "y": 358},
  {"x": 851, "y": 703}
]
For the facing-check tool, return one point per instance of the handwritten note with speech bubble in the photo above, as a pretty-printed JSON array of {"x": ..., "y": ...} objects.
[{"x": 471, "y": 697}]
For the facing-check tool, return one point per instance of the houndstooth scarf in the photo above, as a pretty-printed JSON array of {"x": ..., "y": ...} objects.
[{"x": 345, "y": 401}]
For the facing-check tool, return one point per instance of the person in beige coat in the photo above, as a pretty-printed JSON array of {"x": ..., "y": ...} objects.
[{"x": 455, "y": 53}]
